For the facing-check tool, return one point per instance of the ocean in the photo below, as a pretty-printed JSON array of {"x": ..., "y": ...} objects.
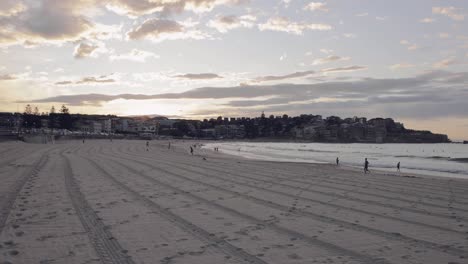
[{"x": 446, "y": 160}]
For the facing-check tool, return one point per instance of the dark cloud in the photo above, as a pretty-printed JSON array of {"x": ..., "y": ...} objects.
[
  {"x": 436, "y": 94},
  {"x": 63, "y": 83},
  {"x": 345, "y": 69},
  {"x": 89, "y": 80},
  {"x": 46, "y": 20},
  {"x": 155, "y": 28},
  {"x": 283, "y": 77},
  {"x": 95, "y": 80},
  {"x": 198, "y": 76},
  {"x": 142, "y": 7}
]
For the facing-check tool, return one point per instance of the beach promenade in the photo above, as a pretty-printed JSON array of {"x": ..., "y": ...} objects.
[{"x": 116, "y": 202}]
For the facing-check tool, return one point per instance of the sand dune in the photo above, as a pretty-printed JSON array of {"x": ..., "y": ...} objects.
[{"x": 115, "y": 202}]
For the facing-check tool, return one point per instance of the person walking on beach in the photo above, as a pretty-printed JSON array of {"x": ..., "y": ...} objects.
[
  {"x": 398, "y": 166},
  {"x": 366, "y": 166},
  {"x": 147, "y": 145},
  {"x": 169, "y": 146},
  {"x": 337, "y": 161},
  {"x": 191, "y": 150}
]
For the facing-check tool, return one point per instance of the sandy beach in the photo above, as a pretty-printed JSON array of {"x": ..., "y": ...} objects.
[{"x": 117, "y": 202}]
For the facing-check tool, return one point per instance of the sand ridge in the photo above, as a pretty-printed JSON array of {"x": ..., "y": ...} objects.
[{"x": 116, "y": 202}]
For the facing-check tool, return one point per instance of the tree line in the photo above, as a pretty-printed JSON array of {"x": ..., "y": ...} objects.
[{"x": 62, "y": 119}]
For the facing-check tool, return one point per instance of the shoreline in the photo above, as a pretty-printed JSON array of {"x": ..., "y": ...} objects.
[{"x": 381, "y": 170}]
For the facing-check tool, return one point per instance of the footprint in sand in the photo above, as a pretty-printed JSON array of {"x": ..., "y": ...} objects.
[
  {"x": 14, "y": 252},
  {"x": 9, "y": 243},
  {"x": 294, "y": 256}
]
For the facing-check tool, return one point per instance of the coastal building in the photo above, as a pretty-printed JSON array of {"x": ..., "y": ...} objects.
[{"x": 107, "y": 125}]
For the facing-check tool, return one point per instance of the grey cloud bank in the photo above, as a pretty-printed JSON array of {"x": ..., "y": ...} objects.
[{"x": 433, "y": 94}]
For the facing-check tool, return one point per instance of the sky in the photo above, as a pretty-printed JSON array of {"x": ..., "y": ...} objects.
[{"x": 404, "y": 59}]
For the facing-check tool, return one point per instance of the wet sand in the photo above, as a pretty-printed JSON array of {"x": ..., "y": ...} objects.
[{"x": 115, "y": 202}]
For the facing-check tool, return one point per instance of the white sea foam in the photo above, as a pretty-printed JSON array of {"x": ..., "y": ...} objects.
[{"x": 449, "y": 160}]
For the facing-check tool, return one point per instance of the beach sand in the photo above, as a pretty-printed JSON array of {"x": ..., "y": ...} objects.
[{"x": 116, "y": 202}]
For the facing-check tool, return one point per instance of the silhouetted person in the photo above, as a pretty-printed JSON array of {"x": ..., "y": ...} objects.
[
  {"x": 191, "y": 150},
  {"x": 366, "y": 166},
  {"x": 147, "y": 145},
  {"x": 83, "y": 140},
  {"x": 169, "y": 145},
  {"x": 398, "y": 166},
  {"x": 337, "y": 161}
]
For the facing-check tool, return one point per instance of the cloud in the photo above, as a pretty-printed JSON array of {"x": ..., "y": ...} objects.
[
  {"x": 11, "y": 7},
  {"x": 162, "y": 29},
  {"x": 103, "y": 79},
  {"x": 428, "y": 95},
  {"x": 135, "y": 55},
  {"x": 282, "y": 77},
  {"x": 285, "y": 25},
  {"x": 286, "y": 2},
  {"x": 64, "y": 83},
  {"x": 446, "y": 63},
  {"x": 409, "y": 45},
  {"x": 326, "y": 51},
  {"x": 84, "y": 50},
  {"x": 330, "y": 58},
  {"x": 135, "y": 8},
  {"x": 427, "y": 20},
  {"x": 198, "y": 76},
  {"x": 450, "y": 11},
  {"x": 225, "y": 23},
  {"x": 50, "y": 22},
  {"x": 414, "y": 47},
  {"x": 344, "y": 69},
  {"x": 7, "y": 77},
  {"x": 399, "y": 66},
  {"x": 316, "y": 6}
]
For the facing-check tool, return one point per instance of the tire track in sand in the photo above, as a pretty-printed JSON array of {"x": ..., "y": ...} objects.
[
  {"x": 198, "y": 232},
  {"x": 334, "y": 205},
  {"x": 7, "y": 202},
  {"x": 277, "y": 181},
  {"x": 107, "y": 247},
  {"x": 342, "y": 181},
  {"x": 311, "y": 240},
  {"x": 323, "y": 218}
]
